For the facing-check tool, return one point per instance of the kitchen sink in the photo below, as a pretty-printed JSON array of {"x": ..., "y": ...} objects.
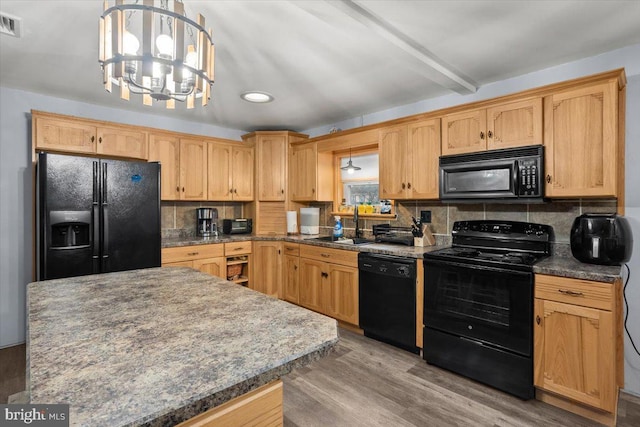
[{"x": 343, "y": 241}]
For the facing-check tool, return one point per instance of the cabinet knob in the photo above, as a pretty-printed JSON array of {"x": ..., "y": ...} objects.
[
  {"x": 295, "y": 267},
  {"x": 93, "y": 138},
  {"x": 408, "y": 185},
  {"x": 538, "y": 320},
  {"x": 178, "y": 189},
  {"x": 100, "y": 140},
  {"x": 183, "y": 189},
  {"x": 313, "y": 190},
  {"x": 235, "y": 191},
  {"x": 282, "y": 191},
  {"x": 481, "y": 135},
  {"x": 489, "y": 134},
  {"x": 403, "y": 186},
  {"x": 548, "y": 179},
  {"x": 323, "y": 274}
]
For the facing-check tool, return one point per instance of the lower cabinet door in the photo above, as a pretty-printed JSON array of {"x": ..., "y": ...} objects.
[
  {"x": 291, "y": 279},
  {"x": 574, "y": 353},
  {"x": 267, "y": 268},
  {"x": 341, "y": 293},
  {"x": 214, "y": 266},
  {"x": 312, "y": 273}
]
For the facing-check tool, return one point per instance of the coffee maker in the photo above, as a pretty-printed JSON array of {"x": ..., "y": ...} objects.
[{"x": 207, "y": 222}]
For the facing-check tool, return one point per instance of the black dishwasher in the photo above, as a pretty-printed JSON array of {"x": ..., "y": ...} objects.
[{"x": 387, "y": 288}]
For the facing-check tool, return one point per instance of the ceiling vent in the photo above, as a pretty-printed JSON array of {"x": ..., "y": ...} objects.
[{"x": 10, "y": 25}]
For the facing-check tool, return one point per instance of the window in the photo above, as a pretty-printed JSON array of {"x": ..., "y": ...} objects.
[{"x": 361, "y": 187}]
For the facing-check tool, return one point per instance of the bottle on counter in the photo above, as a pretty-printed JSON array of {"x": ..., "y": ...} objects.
[{"x": 337, "y": 228}]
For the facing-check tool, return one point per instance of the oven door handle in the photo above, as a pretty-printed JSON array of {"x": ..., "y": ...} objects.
[{"x": 454, "y": 264}]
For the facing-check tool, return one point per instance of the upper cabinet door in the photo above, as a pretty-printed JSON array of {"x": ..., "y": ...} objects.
[
  {"x": 166, "y": 150},
  {"x": 242, "y": 165},
  {"x": 392, "y": 149},
  {"x": 63, "y": 135},
  {"x": 515, "y": 124},
  {"x": 272, "y": 150},
  {"x": 219, "y": 185},
  {"x": 193, "y": 169},
  {"x": 464, "y": 132},
  {"x": 303, "y": 172},
  {"x": 423, "y": 159},
  {"x": 581, "y": 141},
  {"x": 122, "y": 143}
]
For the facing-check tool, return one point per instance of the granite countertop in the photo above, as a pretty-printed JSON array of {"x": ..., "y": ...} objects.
[
  {"x": 560, "y": 264},
  {"x": 158, "y": 346}
]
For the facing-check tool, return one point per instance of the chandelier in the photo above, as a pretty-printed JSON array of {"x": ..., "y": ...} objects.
[{"x": 151, "y": 48}]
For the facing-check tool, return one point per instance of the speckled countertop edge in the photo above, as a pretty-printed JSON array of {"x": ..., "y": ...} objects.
[
  {"x": 71, "y": 361},
  {"x": 560, "y": 264}
]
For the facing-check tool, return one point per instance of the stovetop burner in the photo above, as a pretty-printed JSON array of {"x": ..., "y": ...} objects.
[{"x": 507, "y": 243}]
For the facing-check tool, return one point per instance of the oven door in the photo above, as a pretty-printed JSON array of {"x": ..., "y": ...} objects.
[
  {"x": 479, "y": 180},
  {"x": 491, "y": 305}
]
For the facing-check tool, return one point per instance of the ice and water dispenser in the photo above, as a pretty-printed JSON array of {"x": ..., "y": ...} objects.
[{"x": 70, "y": 229}]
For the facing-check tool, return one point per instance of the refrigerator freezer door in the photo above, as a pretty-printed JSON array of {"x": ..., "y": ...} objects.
[
  {"x": 66, "y": 216},
  {"x": 130, "y": 199}
]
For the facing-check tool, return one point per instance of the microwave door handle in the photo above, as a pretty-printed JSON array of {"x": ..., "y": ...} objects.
[{"x": 515, "y": 178}]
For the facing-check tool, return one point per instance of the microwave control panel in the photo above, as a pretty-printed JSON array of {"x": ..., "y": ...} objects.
[{"x": 529, "y": 174}]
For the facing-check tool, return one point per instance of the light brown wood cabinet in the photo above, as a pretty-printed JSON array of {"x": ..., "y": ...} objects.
[
  {"x": 165, "y": 148},
  {"x": 310, "y": 173},
  {"x": 70, "y": 135},
  {"x": 582, "y": 149},
  {"x": 513, "y": 124},
  {"x": 578, "y": 340},
  {"x": 206, "y": 258},
  {"x": 271, "y": 169},
  {"x": 328, "y": 282},
  {"x": 291, "y": 273},
  {"x": 267, "y": 267},
  {"x": 230, "y": 172},
  {"x": 409, "y": 160},
  {"x": 183, "y": 166}
]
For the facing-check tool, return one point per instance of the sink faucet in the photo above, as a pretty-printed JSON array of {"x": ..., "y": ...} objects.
[{"x": 356, "y": 219}]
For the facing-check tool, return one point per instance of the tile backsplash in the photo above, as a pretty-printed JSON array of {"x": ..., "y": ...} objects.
[
  {"x": 178, "y": 219},
  {"x": 558, "y": 214}
]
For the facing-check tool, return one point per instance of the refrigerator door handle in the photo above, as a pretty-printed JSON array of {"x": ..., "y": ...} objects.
[
  {"x": 105, "y": 221},
  {"x": 95, "y": 221}
]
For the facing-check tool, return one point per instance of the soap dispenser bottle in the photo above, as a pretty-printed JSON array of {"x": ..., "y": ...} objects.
[{"x": 337, "y": 229}]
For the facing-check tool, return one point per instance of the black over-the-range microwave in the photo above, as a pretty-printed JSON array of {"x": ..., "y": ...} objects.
[{"x": 511, "y": 175}]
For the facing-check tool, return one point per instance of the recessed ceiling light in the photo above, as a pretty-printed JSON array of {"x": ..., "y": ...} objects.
[{"x": 257, "y": 97}]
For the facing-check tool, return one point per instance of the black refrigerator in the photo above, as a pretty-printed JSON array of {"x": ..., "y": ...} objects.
[{"x": 96, "y": 215}]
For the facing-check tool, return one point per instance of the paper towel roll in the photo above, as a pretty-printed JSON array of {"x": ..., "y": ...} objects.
[{"x": 292, "y": 222}]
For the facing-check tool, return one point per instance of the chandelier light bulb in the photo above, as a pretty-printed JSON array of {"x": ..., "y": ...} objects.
[
  {"x": 164, "y": 44},
  {"x": 191, "y": 59},
  {"x": 130, "y": 44},
  {"x": 158, "y": 70}
]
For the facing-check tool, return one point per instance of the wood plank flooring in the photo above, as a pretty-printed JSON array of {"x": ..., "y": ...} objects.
[{"x": 368, "y": 383}]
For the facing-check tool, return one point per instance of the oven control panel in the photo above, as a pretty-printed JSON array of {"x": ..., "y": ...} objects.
[{"x": 511, "y": 229}]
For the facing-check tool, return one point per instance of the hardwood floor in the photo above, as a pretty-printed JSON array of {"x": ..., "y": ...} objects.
[
  {"x": 368, "y": 383},
  {"x": 12, "y": 371}
]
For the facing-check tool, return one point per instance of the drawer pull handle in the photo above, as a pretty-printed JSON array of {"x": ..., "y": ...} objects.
[
  {"x": 323, "y": 274},
  {"x": 571, "y": 293},
  {"x": 192, "y": 253},
  {"x": 325, "y": 255},
  {"x": 238, "y": 249}
]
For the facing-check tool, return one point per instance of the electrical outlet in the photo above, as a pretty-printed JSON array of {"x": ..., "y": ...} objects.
[{"x": 425, "y": 217}]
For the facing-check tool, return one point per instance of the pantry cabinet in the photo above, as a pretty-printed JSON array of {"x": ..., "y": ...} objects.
[
  {"x": 328, "y": 282},
  {"x": 409, "y": 157},
  {"x": 310, "y": 173},
  {"x": 267, "y": 267},
  {"x": 582, "y": 148},
  {"x": 578, "y": 340},
  {"x": 508, "y": 125},
  {"x": 229, "y": 172},
  {"x": 70, "y": 135}
]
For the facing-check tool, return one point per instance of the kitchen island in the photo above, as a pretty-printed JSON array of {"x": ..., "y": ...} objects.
[{"x": 160, "y": 346}]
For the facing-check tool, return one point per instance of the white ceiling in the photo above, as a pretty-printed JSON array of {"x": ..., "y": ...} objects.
[{"x": 324, "y": 61}]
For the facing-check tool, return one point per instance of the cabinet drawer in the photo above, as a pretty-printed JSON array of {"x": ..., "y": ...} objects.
[
  {"x": 186, "y": 253},
  {"x": 334, "y": 256},
  {"x": 236, "y": 248},
  {"x": 291, "y": 249},
  {"x": 575, "y": 291}
]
